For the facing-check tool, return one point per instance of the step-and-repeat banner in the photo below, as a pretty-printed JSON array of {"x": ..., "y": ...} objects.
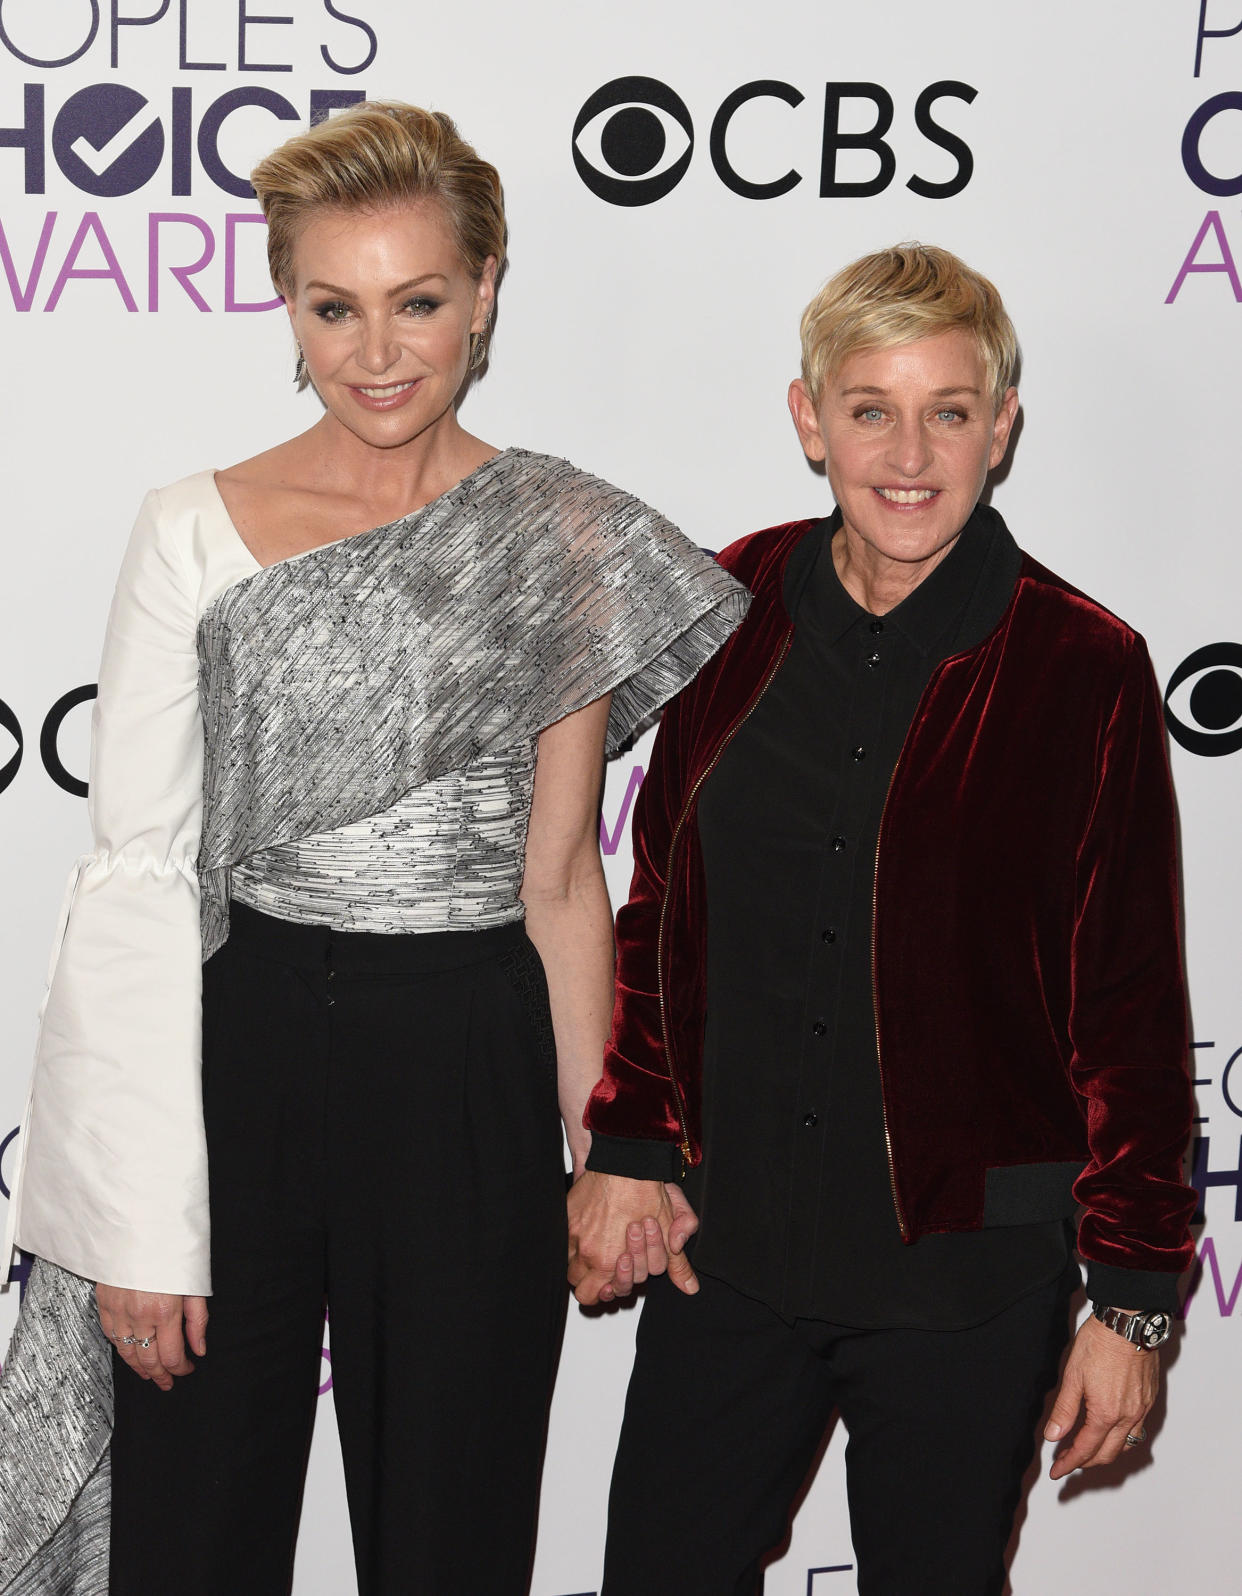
[{"x": 680, "y": 178}]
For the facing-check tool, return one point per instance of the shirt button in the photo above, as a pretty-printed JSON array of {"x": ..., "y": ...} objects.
[
  {"x": 872, "y": 661},
  {"x": 810, "y": 1119},
  {"x": 838, "y": 845},
  {"x": 877, "y": 627},
  {"x": 828, "y": 936},
  {"x": 858, "y": 753},
  {"x": 819, "y": 1028}
]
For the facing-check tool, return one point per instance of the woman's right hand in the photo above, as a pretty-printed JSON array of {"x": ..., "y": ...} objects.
[{"x": 130, "y": 1318}]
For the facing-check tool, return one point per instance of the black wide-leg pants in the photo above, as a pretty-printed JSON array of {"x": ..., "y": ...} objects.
[
  {"x": 728, "y": 1405},
  {"x": 383, "y": 1142}
]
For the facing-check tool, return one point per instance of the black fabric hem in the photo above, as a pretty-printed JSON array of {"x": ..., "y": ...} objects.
[
  {"x": 636, "y": 1160},
  {"x": 1139, "y": 1290},
  {"x": 1066, "y": 1271},
  {"x": 1025, "y": 1194}
]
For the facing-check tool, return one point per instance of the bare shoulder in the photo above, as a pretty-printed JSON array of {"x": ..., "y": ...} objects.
[
  {"x": 268, "y": 478},
  {"x": 277, "y": 501}
]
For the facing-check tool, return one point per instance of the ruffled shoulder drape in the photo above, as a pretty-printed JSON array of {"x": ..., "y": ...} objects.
[{"x": 336, "y": 682}]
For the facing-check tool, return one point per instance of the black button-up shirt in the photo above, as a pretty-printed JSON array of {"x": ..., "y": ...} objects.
[{"x": 794, "y": 1191}]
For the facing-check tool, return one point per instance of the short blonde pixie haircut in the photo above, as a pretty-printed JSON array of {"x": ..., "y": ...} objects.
[
  {"x": 896, "y": 296},
  {"x": 373, "y": 155}
]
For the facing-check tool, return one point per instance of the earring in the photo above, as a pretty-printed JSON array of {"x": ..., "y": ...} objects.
[
  {"x": 299, "y": 371},
  {"x": 478, "y": 344}
]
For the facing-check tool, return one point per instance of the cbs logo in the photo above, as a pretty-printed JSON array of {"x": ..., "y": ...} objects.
[
  {"x": 1203, "y": 701},
  {"x": 19, "y": 1273},
  {"x": 49, "y": 741},
  {"x": 634, "y": 137},
  {"x": 6, "y": 1145}
]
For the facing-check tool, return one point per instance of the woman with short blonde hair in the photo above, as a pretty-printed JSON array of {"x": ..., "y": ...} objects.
[{"x": 900, "y": 1019}]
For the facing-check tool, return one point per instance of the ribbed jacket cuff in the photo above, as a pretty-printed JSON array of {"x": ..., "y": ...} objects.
[
  {"x": 1144, "y": 1290},
  {"x": 639, "y": 1160}
]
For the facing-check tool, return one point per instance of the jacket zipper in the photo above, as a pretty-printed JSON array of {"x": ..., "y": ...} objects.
[
  {"x": 875, "y": 1011},
  {"x": 668, "y": 875}
]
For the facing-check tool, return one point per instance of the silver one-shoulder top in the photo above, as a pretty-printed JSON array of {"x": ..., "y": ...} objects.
[{"x": 372, "y": 707}]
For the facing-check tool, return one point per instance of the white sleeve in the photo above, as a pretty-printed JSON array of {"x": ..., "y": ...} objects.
[{"x": 112, "y": 1181}]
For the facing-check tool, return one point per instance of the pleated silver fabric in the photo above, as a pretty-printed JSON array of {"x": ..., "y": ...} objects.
[
  {"x": 406, "y": 671},
  {"x": 56, "y": 1417},
  {"x": 336, "y": 683},
  {"x": 446, "y": 857}
]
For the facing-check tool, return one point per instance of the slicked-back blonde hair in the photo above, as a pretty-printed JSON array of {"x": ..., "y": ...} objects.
[
  {"x": 376, "y": 154},
  {"x": 897, "y": 296}
]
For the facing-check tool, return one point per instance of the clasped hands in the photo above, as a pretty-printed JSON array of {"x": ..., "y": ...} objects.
[{"x": 622, "y": 1231}]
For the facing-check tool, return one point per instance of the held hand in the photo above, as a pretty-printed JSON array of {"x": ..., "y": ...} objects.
[
  {"x": 621, "y": 1231},
  {"x": 1115, "y": 1383},
  {"x": 649, "y": 1253},
  {"x": 131, "y": 1318}
]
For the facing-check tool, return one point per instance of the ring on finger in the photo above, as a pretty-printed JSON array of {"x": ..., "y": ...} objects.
[
  {"x": 1137, "y": 1437},
  {"x": 136, "y": 1341}
]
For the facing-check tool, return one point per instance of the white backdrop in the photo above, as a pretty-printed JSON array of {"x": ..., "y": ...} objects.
[{"x": 652, "y": 343}]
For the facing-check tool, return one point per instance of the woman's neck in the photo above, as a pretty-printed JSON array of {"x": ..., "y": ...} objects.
[{"x": 874, "y": 580}]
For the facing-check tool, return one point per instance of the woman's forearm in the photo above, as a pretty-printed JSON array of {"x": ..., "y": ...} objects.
[{"x": 573, "y": 933}]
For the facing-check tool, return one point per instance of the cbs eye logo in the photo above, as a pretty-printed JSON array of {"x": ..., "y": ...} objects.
[
  {"x": 12, "y": 764},
  {"x": 632, "y": 141},
  {"x": 1203, "y": 701},
  {"x": 49, "y": 742},
  {"x": 5, "y": 1144}
]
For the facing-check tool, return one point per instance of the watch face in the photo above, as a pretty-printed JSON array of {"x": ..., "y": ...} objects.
[{"x": 1155, "y": 1331}]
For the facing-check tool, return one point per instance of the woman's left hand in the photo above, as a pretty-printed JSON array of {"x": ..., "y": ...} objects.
[
  {"x": 1116, "y": 1384},
  {"x": 150, "y": 1329}
]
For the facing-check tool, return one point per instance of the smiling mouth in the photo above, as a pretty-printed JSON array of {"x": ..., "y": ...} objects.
[
  {"x": 908, "y": 495},
  {"x": 385, "y": 390}
]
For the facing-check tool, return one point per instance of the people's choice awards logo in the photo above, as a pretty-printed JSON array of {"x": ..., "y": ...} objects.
[
  {"x": 174, "y": 139},
  {"x": 634, "y": 138},
  {"x": 1210, "y": 147},
  {"x": 99, "y": 144},
  {"x": 1203, "y": 701}
]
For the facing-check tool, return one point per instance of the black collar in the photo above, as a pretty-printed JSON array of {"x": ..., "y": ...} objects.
[{"x": 976, "y": 576}]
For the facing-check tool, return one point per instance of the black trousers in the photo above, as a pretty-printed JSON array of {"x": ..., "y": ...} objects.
[
  {"x": 728, "y": 1405},
  {"x": 383, "y": 1140}
]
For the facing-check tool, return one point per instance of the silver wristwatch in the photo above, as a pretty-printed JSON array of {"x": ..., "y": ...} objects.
[{"x": 1146, "y": 1331}]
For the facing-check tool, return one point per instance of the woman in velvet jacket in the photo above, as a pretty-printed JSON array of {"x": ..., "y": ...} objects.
[{"x": 1027, "y": 1004}]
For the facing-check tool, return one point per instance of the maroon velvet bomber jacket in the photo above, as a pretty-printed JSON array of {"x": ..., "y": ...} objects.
[{"x": 1029, "y": 1002}]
